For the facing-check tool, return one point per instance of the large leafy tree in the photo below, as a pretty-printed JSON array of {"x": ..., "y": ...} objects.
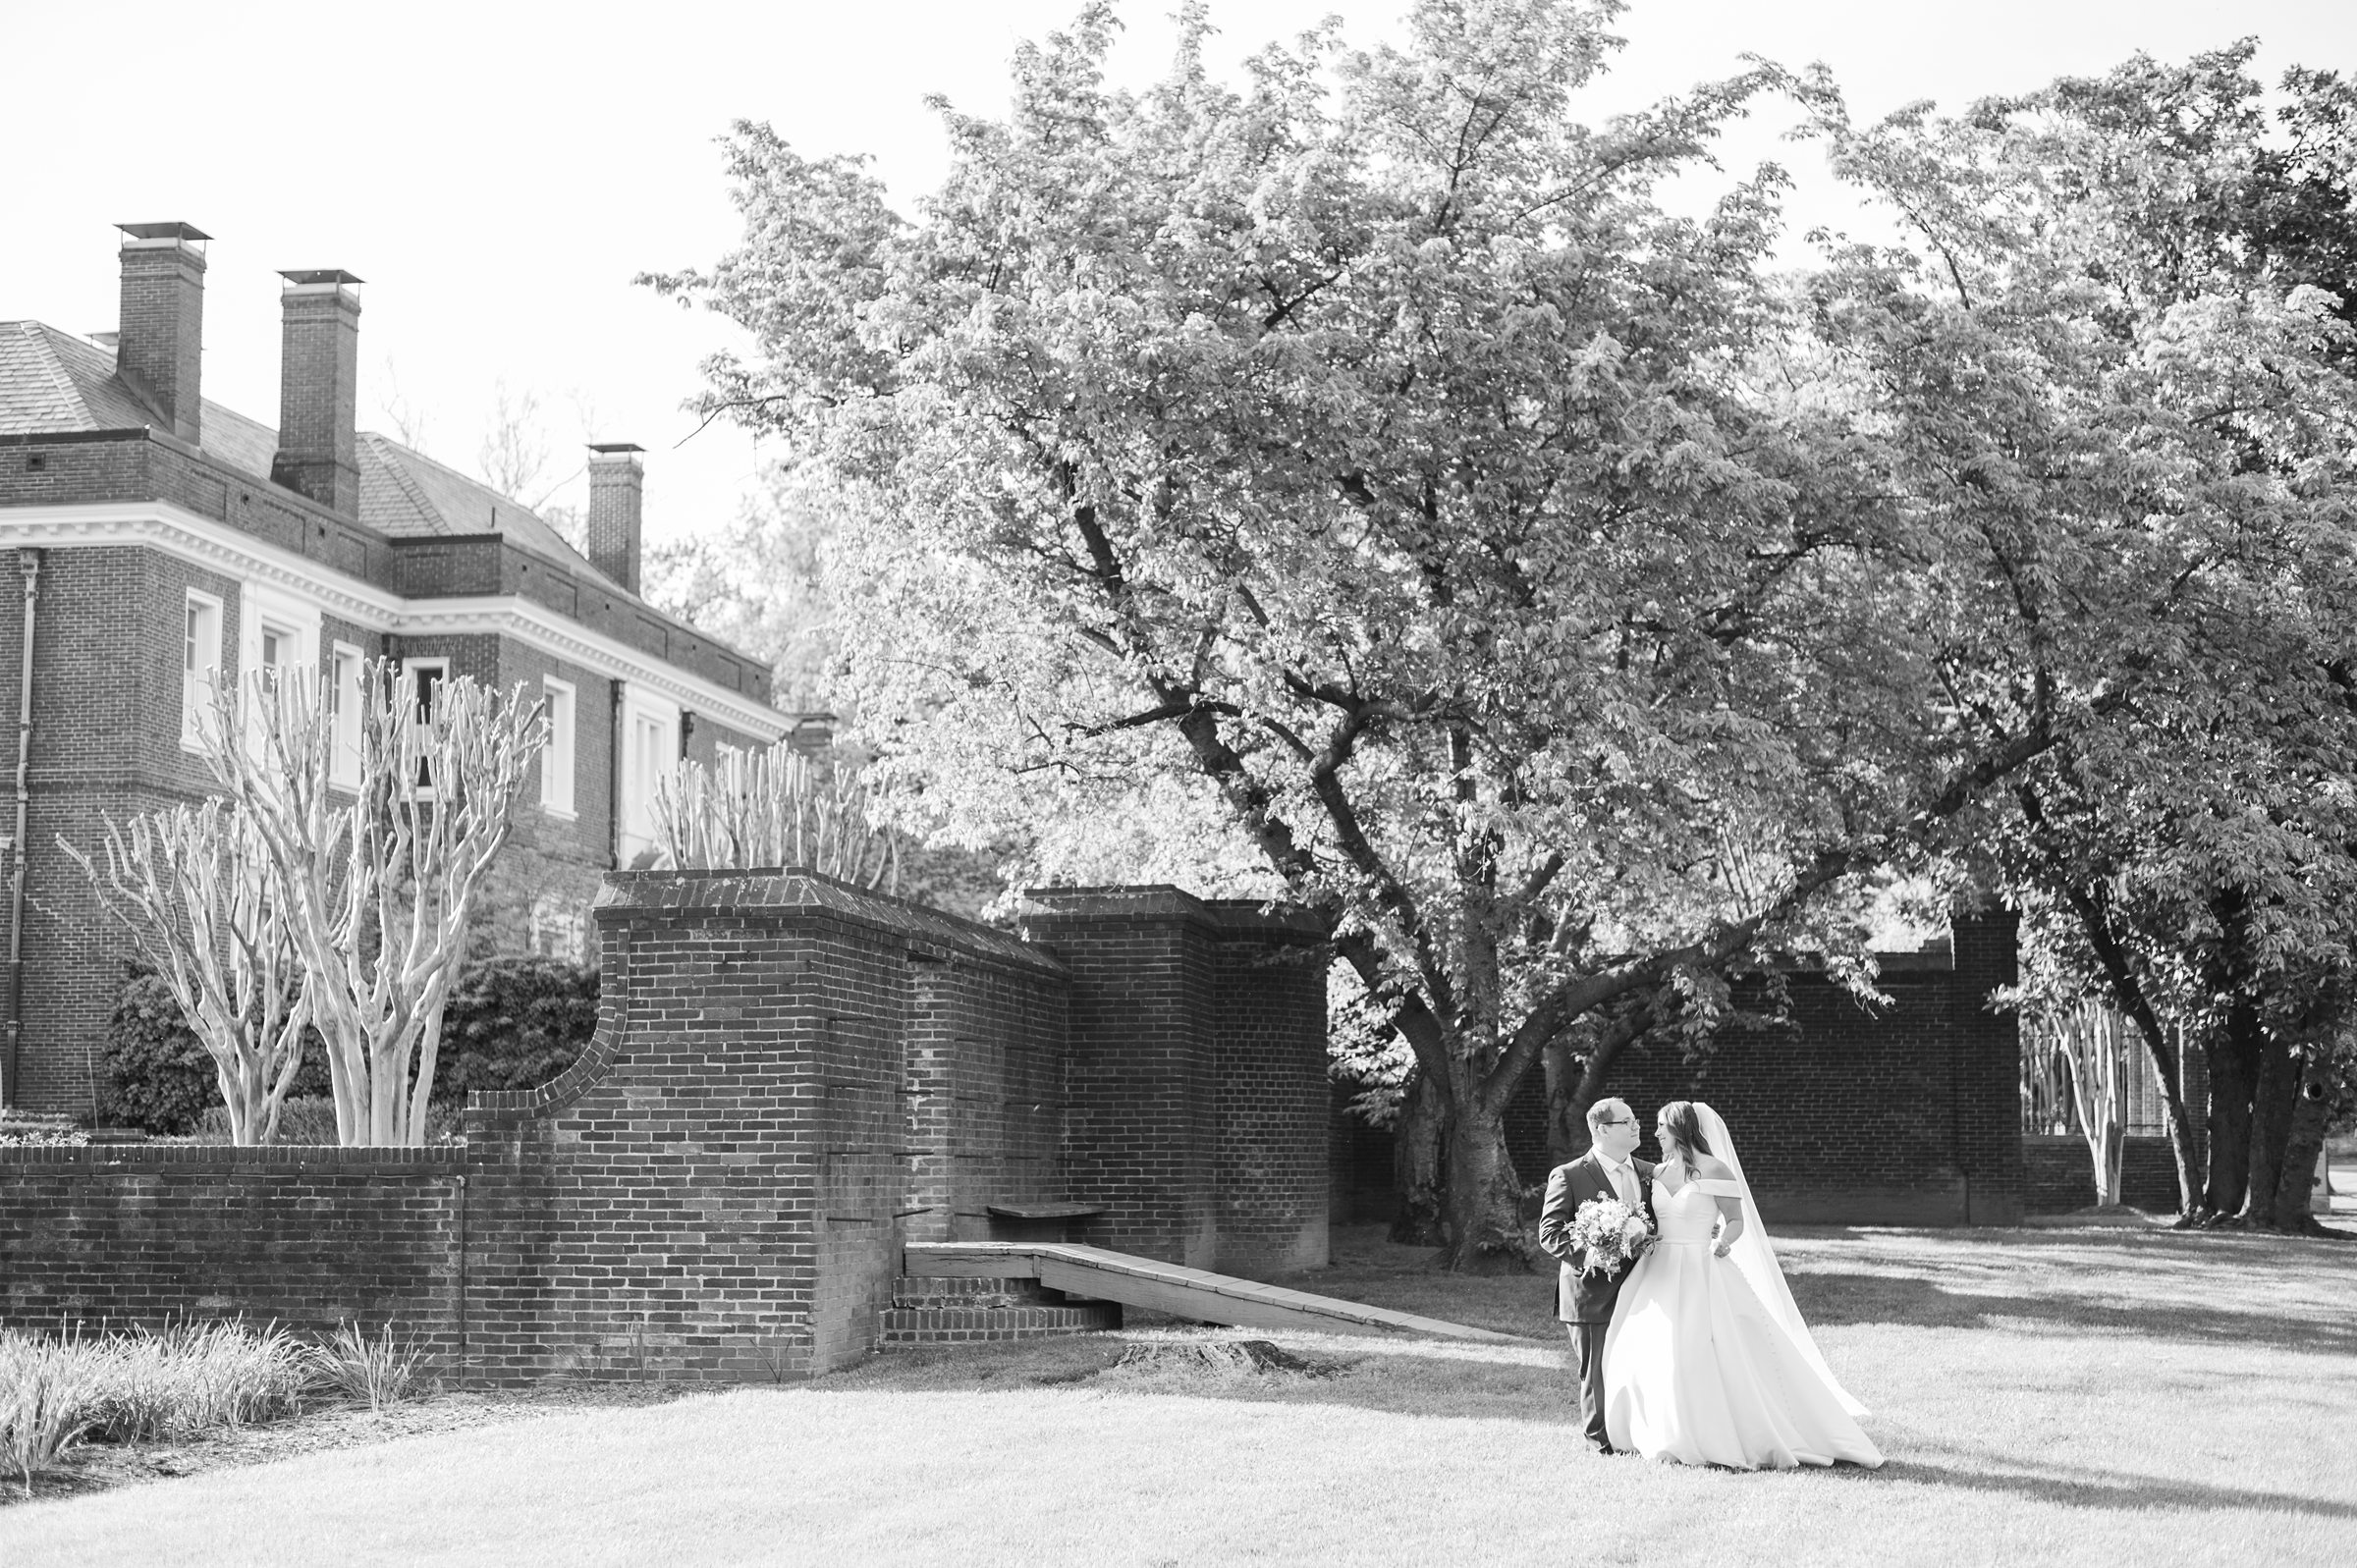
[
  {"x": 2194, "y": 863},
  {"x": 1358, "y": 466}
]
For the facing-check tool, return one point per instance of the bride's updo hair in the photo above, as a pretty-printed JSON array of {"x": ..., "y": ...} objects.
[{"x": 1680, "y": 1123}]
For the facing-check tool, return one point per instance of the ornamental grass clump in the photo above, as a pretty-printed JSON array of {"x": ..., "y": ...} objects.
[
  {"x": 139, "y": 1386},
  {"x": 381, "y": 1371},
  {"x": 46, "y": 1401},
  {"x": 192, "y": 1377}
]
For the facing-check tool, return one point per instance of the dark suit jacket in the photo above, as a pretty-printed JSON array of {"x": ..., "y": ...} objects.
[{"x": 1582, "y": 1297}]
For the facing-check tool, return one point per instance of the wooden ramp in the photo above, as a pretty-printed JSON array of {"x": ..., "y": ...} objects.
[{"x": 1134, "y": 1281}]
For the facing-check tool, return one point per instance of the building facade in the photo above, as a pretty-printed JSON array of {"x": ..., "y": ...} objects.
[{"x": 152, "y": 543}]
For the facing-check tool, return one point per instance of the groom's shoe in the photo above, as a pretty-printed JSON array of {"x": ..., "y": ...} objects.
[{"x": 1604, "y": 1448}]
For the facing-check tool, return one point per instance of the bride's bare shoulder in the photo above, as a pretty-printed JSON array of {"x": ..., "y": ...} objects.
[{"x": 1713, "y": 1168}]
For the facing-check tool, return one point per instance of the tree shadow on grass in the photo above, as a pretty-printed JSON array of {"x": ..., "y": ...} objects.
[
  {"x": 1450, "y": 1383},
  {"x": 2075, "y": 1486},
  {"x": 1829, "y": 1298}
]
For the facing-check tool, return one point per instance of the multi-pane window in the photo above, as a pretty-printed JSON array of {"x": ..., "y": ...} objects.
[
  {"x": 423, "y": 678},
  {"x": 200, "y": 664},
  {"x": 650, "y": 756},
  {"x": 557, "y": 762}
]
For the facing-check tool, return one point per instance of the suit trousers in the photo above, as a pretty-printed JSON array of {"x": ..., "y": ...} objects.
[{"x": 1587, "y": 1344}]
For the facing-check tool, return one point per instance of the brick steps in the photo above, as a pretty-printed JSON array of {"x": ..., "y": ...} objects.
[{"x": 928, "y": 1310}]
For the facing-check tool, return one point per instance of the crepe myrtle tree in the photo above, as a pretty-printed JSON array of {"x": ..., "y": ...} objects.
[
  {"x": 1358, "y": 461},
  {"x": 774, "y": 807},
  {"x": 374, "y": 853},
  {"x": 191, "y": 886}
]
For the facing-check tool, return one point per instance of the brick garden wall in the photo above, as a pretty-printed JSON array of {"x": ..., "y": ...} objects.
[
  {"x": 310, "y": 1237},
  {"x": 790, "y": 1079},
  {"x": 2058, "y": 1176},
  {"x": 1908, "y": 1114}
]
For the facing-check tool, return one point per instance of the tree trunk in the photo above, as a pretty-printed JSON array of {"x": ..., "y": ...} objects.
[
  {"x": 2304, "y": 1145},
  {"x": 1566, "y": 1112},
  {"x": 1481, "y": 1225},
  {"x": 1417, "y": 1139},
  {"x": 2273, "y": 1094},
  {"x": 2233, "y": 1069},
  {"x": 2167, "y": 1061}
]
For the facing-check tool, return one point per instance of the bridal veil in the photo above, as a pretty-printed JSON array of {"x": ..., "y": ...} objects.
[{"x": 1756, "y": 1257}]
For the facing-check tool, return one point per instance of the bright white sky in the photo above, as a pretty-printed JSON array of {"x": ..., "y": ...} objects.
[{"x": 497, "y": 172}]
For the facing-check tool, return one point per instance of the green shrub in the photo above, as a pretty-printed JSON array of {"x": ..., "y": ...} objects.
[
  {"x": 158, "y": 1076},
  {"x": 26, "y": 1131},
  {"x": 509, "y": 1023},
  {"x": 311, "y": 1119},
  {"x": 514, "y": 1023}
]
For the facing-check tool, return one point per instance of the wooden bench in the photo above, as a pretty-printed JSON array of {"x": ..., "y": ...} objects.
[{"x": 1037, "y": 1222}]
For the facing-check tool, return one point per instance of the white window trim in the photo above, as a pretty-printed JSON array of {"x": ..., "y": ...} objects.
[
  {"x": 344, "y": 760},
  {"x": 192, "y": 703},
  {"x": 409, "y": 675},
  {"x": 292, "y": 618},
  {"x": 560, "y": 769},
  {"x": 259, "y": 604},
  {"x": 637, "y": 704},
  {"x": 408, "y": 693}
]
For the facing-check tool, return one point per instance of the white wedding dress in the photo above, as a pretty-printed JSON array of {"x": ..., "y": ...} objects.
[{"x": 1706, "y": 1361}]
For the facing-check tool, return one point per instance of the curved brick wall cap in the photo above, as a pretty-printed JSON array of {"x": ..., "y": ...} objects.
[{"x": 623, "y": 892}]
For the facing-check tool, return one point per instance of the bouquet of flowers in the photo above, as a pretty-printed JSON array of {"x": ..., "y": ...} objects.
[{"x": 1609, "y": 1235}]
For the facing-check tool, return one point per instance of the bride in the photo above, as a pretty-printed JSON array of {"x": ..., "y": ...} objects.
[{"x": 1706, "y": 1361}]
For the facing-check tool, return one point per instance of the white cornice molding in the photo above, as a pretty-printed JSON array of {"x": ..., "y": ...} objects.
[{"x": 178, "y": 531}]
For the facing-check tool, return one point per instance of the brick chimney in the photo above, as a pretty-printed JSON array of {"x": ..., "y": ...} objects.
[
  {"x": 617, "y": 488},
  {"x": 318, "y": 389},
  {"x": 160, "y": 349}
]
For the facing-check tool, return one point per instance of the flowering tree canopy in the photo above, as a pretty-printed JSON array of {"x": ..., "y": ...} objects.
[{"x": 1359, "y": 465}]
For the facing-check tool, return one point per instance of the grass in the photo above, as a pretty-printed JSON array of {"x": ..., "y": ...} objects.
[{"x": 2052, "y": 1395}]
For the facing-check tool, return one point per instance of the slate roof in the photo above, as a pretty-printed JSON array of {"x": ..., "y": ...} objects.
[
  {"x": 406, "y": 494},
  {"x": 53, "y": 381}
]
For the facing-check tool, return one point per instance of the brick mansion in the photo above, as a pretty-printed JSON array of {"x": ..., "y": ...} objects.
[{"x": 152, "y": 542}]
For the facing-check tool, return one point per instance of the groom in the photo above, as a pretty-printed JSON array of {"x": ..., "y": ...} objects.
[{"x": 1584, "y": 1300}]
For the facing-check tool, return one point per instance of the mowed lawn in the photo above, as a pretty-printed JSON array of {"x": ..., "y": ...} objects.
[{"x": 2096, "y": 1396}]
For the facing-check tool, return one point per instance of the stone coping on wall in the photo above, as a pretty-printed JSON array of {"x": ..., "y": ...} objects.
[
  {"x": 798, "y": 888},
  {"x": 1162, "y": 902},
  {"x": 213, "y": 1159}
]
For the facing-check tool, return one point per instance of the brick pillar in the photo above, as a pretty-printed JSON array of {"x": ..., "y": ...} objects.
[
  {"x": 1274, "y": 1116},
  {"x": 1985, "y": 1075},
  {"x": 1198, "y": 1098},
  {"x": 1141, "y": 1076},
  {"x": 928, "y": 1103}
]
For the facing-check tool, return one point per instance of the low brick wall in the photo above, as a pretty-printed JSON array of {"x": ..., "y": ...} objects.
[
  {"x": 2060, "y": 1174},
  {"x": 310, "y": 1237}
]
